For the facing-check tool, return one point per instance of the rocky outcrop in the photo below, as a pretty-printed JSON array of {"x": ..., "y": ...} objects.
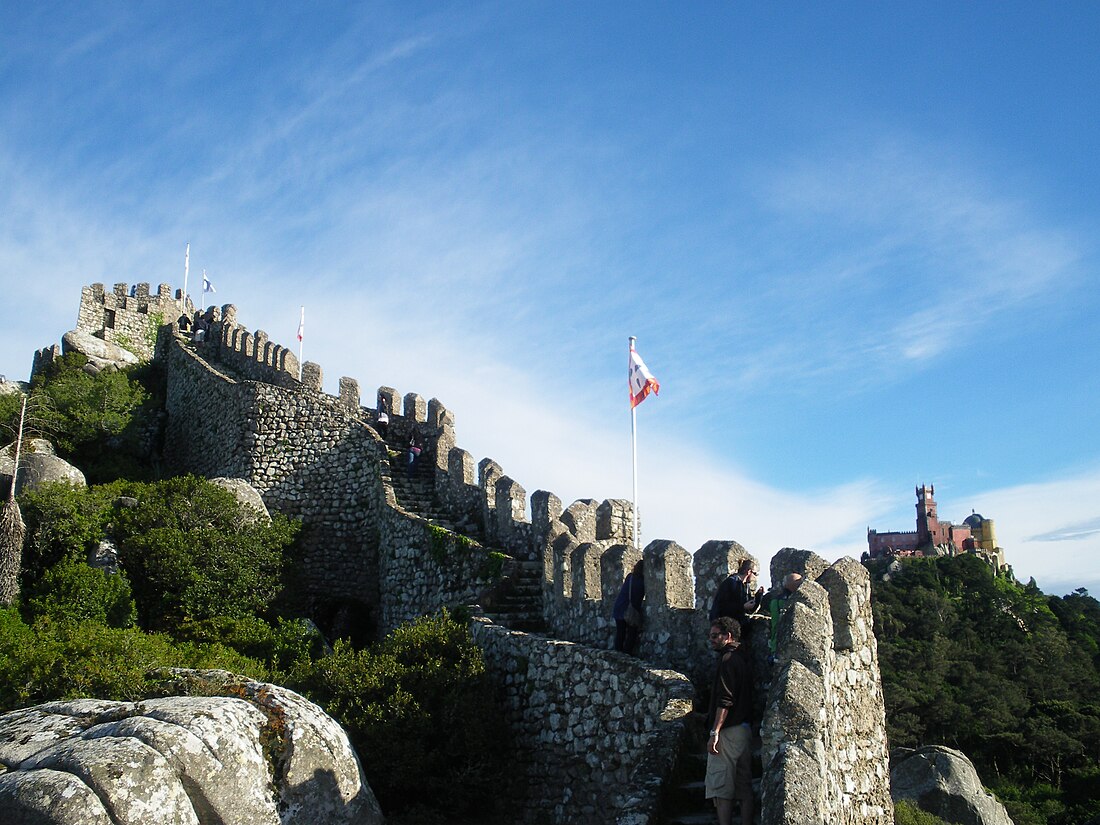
[
  {"x": 245, "y": 493},
  {"x": 38, "y": 465},
  {"x": 943, "y": 782},
  {"x": 99, "y": 353},
  {"x": 12, "y": 387},
  {"x": 226, "y": 751}
]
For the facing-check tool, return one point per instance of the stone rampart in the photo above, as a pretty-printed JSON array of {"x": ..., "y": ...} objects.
[
  {"x": 826, "y": 758},
  {"x": 586, "y": 556},
  {"x": 308, "y": 456},
  {"x": 826, "y": 755},
  {"x": 253, "y": 355},
  {"x": 425, "y": 567},
  {"x": 321, "y": 458},
  {"x": 44, "y": 359},
  {"x": 130, "y": 316},
  {"x": 596, "y": 730}
]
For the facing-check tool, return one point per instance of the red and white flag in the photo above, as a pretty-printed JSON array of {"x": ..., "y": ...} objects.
[
  {"x": 302, "y": 325},
  {"x": 640, "y": 379}
]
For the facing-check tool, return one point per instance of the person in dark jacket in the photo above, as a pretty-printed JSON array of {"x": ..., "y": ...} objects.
[
  {"x": 729, "y": 745},
  {"x": 630, "y": 595},
  {"x": 736, "y": 597}
]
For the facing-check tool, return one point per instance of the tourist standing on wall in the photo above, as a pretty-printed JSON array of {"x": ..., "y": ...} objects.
[
  {"x": 627, "y": 611},
  {"x": 729, "y": 744},
  {"x": 413, "y": 451},
  {"x": 383, "y": 416},
  {"x": 735, "y": 597}
]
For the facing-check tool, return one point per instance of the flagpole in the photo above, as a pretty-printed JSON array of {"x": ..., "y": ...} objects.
[
  {"x": 634, "y": 456},
  {"x": 186, "y": 269},
  {"x": 301, "y": 335}
]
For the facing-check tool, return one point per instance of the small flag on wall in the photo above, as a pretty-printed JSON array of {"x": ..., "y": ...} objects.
[{"x": 640, "y": 379}]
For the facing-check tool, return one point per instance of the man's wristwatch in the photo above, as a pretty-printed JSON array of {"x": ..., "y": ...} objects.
[{"x": 714, "y": 733}]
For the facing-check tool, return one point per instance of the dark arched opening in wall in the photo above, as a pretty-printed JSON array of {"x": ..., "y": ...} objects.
[{"x": 346, "y": 618}]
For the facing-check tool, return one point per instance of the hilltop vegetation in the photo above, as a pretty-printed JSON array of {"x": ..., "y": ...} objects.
[
  {"x": 204, "y": 582},
  {"x": 1002, "y": 672},
  {"x": 106, "y": 424}
]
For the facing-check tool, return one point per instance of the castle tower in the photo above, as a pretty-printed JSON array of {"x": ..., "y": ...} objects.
[
  {"x": 928, "y": 523},
  {"x": 982, "y": 532}
]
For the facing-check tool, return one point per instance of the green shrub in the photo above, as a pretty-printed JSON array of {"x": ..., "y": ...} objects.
[
  {"x": 906, "y": 813},
  {"x": 63, "y": 522},
  {"x": 47, "y": 661},
  {"x": 71, "y": 591},
  {"x": 284, "y": 645},
  {"x": 90, "y": 417},
  {"x": 190, "y": 550},
  {"x": 419, "y": 710}
]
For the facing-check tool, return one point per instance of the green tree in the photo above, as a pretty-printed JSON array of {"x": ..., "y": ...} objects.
[
  {"x": 85, "y": 410},
  {"x": 189, "y": 549},
  {"x": 45, "y": 661},
  {"x": 418, "y": 704},
  {"x": 973, "y": 660},
  {"x": 71, "y": 592}
]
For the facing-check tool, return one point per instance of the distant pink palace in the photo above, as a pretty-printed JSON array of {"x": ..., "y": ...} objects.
[{"x": 934, "y": 537}]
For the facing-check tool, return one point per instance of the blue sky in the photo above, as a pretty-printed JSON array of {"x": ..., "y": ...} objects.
[{"x": 855, "y": 241}]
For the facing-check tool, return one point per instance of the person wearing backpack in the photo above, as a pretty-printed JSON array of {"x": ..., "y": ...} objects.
[{"x": 627, "y": 611}]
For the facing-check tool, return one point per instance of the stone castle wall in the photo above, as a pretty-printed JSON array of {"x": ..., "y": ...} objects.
[
  {"x": 583, "y": 718},
  {"x": 130, "y": 320},
  {"x": 237, "y": 409},
  {"x": 826, "y": 758},
  {"x": 824, "y": 722},
  {"x": 318, "y": 458},
  {"x": 254, "y": 356}
]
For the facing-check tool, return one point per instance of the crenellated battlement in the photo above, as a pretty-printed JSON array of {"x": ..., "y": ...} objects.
[
  {"x": 129, "y": 315},
  {"x": 253, "y": 355},
  {"x": 237, "y": 408}
]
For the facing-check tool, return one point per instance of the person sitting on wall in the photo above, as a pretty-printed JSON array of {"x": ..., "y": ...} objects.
[
  {"x": 735, "y": 598},
  {"x": 778, "y": 604},
  {"x": 627, "y": 611},
  {"x": 729, "y": 744}
]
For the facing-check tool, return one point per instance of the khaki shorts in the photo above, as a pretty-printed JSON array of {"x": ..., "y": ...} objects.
[{"x": 729, "y": 774}]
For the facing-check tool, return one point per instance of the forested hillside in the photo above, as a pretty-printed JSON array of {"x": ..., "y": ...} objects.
[{"x": 999, "y": 670}]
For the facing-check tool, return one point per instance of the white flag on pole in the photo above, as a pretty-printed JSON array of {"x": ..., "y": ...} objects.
[
  {"x": 302, "y": 326},
  {"x": 640, "y": 379},
  {"x": 207, "y": 286}
]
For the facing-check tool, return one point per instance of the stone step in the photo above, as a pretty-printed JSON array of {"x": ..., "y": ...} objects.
[
  {"x": 525, "y": 624},
  {"x": 703, "y": 817}
]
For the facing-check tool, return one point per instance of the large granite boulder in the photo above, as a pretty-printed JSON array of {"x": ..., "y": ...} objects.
[
  {"x": 99, "y": 353},
  {"x": 245, "y": 493},
  {"x": 12, "y": 387},
  {"x": 943, "y": 782},
  {"x": 225, "y": 751},
  {"x": 39, "y": 465}
]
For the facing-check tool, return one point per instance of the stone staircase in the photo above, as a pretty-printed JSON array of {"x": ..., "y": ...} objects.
[
  {"x": 517, "y": 602},
  {"x": 684, "y": 801},
  {"x": 415, "y": 493}
]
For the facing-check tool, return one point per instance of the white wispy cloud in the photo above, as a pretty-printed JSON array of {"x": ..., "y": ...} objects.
[
  {"x": 1050, "y": 530},
  {"x": 958, "y": 257}
]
